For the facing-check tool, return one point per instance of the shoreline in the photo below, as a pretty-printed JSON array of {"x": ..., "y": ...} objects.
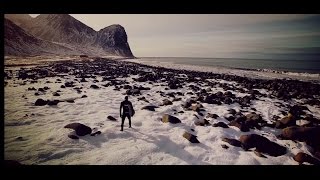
[{"x": 252, "y": 73}]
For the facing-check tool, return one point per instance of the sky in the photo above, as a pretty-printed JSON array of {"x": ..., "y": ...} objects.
[{"x": 216, "y": 35}]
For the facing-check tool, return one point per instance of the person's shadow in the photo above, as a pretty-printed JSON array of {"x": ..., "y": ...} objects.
[{"x": 168, "y": 146}]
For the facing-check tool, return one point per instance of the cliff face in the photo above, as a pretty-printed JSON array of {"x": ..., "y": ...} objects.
[
  {"x": 20, "y": 43},
  {"x": 67, "y": 31}
]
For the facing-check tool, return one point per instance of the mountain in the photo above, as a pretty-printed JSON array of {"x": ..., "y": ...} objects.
[
  {"x": 19, "y": 19},
  {"x": 20, "y": 43},
  {"x": 67, "y": 31},
  {"x": 113, "y": 39}
]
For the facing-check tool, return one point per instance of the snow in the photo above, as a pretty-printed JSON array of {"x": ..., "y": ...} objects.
[{"x": 150, "y": 141}]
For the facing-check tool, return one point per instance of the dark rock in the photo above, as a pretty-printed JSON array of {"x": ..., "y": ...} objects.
[
  {"x": 150, "y": 108},
  {"x": 230, "y": 118},
  {"x": 32, "y": 89},
  {"x": 93, "y": 86},
  {"x": 83, "y": 80},
  {"x": 306, "y": 134},
  {"x": 36, "y": 94},
  {"x": 224, "y": 146},
  {"x": 262, "y": 145},
  {"x": 70, "y": 100},
  {"x": 303, "y": 157},
  {"x": 62, "y": 86},
  {"x": 53, "y": 103},
  {"x": 254, "y": 117},
  {"x": 232, "y": 111},
  {"x": 112, "y": 118},
  {"x": 286, "y": 121},
  {"x": 168, "y": 118},
  {"x": 56, "y": 94},
  {"x": 41, "y": 90},
  {"x": 166, "y": 102},
  {"x": 209, "y": 115},
  {"x": 227, "y": 100},
  {"x": 68, "y": 84},
  {"x": 46, "y": 88},
  {"x": 133, "y": 92},
  {"x": 71, "y": 136},
  {"x": 180, "y": 112},
  {"x": 40, "y": 102},
  {"x": 232, "y": 142},
  {"x": 220, "y": 124},
  {"x": 95, "y": 133},
  {"x": 81, "y": 130},
  {"x": 243, "y": 127},
  {"x": 192, "y": 138},
  {"x": 84, "y": 96}
]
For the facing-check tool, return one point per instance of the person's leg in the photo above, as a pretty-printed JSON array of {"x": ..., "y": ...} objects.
[
  {"x": 122, "y": 122},
  {"x": 129, "y": 117}
]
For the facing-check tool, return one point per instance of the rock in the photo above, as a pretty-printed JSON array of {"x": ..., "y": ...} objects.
[
  {"x": 232, "y": 111},
  {"x": 133, "y": 92},
  {"x": 62, "y": 86},
  {"x": 112, "y": 118},
  {"x": 93, "y": 86},
  {"x": 196, "y": 107},
  {"x": 150, "y": 108},
  {"x": 54, "y": 102},
  {"x": 220, "y": 124},
  {"x": 36, "y": 94},
  {"x": 41, "y": 90},
  {"x": 209, "y": 115},
  {"x": 180, "y": 112},
  {"x": 224, "y": 146},
  {"x": 177, "y": 99},
  {"x": 286, "y": 121},
  {"x": 306, "y": 134},
  {"x": 230, "y": 118},
  {"x": 73, "y": 136},
  {"x": 84, "y": 96},
  {"x": 166, "y": 102},
  {"x": 56, "y": 94},
  {"x": 168, "y": 118},
  {"x": 46, "y": 88},
  {"x": 227, "y": 100},
  {"x": 40, "y": 102},
  {"x": 303, "y": 157},
  {"x": 95, "y": 133},
  {"x": 32, "y": 89},
  {"x": 232, "y": 142},
  {"x": 127, "y": 87},
  {"x": 262, "y": 144},
  {"x": 83, "y": 80},
  {"x": 19, "y": 138},
  {"x": 254, "y": 117},
  {"x": 192, "y": 138},
  {"x": 68, "y": 84},
  {"x": 81, "y": 130},
  {"x": 70, "y": 100}
]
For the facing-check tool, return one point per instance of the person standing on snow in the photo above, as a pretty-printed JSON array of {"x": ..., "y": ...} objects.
[{"x": 128, "y": 111}]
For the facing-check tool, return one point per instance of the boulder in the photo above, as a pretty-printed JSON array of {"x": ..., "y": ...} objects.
[
  {"x": 306, "y": 134},
  {"x": 220, "y": 124},
  {"x": 166, "y": 102},
  {"x": 80, "y": 129},
  {"x": 112, "y": 118},
  {"x": 232, "y": 142},
  {"x": 40, "y": 102},
  {"x": 286, "y": 121},
  {"x": 192, "y": 138},
  {"x": 262, "y": 144},
  {"x": 93, "y": 86},
  {"x": 56, "y": 94},
  {"x": 53, "y": 103},
  {"x": 150, "y": 108},
  {"x": 209, "y": 115},
  {"x": 84, "y": 96},
  {"x": 303, "y": 157},
  {"x": 168, "y": 118},
  {"x": 71, "y": 136}
]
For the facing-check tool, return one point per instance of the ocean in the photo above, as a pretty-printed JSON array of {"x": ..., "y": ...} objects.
[{"x": 299, "y": 66}]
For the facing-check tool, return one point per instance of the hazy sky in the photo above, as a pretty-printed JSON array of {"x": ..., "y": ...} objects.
[{"x": 214, "y": 35}]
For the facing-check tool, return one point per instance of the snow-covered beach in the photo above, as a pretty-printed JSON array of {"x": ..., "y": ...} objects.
[{"x": 36, "y": 134}]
